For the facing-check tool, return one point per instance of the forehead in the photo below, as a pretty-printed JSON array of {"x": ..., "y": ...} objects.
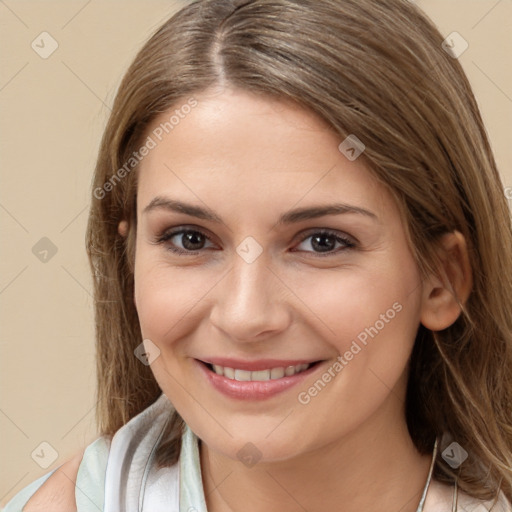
[{"x": 248, "y": 151}]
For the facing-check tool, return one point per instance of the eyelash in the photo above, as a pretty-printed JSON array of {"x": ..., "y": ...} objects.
[{"x": 166, "y": 236}]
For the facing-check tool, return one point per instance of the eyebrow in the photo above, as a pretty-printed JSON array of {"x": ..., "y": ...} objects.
[{"x": 290, "y": 217}]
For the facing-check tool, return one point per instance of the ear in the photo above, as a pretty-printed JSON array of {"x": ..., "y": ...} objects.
[
  {"x": 122, "y": 228},
  {"x": 444, "y": 294}
]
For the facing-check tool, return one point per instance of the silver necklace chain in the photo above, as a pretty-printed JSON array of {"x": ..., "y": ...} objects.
[
  {"x": 429, "y": 478},
  {"x": 427, "y": 485}
]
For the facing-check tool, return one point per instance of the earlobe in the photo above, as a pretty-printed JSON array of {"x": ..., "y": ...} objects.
[
  {"x": 122, "y": 228},
  {"x": 445, "y": 293}
]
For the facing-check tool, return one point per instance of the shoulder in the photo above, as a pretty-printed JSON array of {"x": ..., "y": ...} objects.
[
  {"x": 441, "y": 496},
  {"x": 58, "y": 492},
  {"x": 469, "y": 504}
]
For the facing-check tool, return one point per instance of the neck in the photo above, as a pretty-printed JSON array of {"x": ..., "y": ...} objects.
[{"x": 375, "y": 465}]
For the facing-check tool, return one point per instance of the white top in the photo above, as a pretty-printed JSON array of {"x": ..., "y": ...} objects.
[{"x": 120, "y": 475}]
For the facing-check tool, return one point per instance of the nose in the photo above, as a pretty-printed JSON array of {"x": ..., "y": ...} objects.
[{"x": 251, "y": 302}]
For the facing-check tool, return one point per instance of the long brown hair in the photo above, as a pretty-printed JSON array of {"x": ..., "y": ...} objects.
[{"x": 370, "y": 68}]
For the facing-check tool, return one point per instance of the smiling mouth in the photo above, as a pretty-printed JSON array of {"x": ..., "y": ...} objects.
[{"x": 259, "y": 375}]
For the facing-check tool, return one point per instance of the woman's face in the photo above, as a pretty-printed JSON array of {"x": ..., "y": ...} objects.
[{"x": 288, "y": 252}]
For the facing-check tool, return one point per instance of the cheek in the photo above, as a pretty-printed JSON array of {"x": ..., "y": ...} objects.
[
  {"x": 371, "y": 319},
  {"x": 169, "y": 300},
  {"x": 360, "y": 304}
]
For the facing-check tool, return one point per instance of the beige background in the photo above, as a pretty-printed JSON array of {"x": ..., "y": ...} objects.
[{"x": 52, "y": 114}]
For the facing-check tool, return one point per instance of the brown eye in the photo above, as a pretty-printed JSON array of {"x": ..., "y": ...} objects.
[
  {"x": 184, "y": 241},
  {"x": 192, "y": 240},
  {"x": 326, "y": 242}
]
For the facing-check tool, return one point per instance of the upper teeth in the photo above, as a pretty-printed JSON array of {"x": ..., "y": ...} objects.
[{"x": 273, "y": 373}]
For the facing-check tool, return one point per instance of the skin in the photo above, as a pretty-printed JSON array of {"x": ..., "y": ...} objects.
[
  {"x": 250, "y": 159},
  {"x": 58, "y": 492}
]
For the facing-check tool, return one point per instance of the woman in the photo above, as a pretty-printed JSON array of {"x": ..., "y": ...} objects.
[{"x": 299, "y": 239}]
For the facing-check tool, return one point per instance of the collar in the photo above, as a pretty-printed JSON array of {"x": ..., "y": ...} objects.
[{"x": 191, "y": 485}]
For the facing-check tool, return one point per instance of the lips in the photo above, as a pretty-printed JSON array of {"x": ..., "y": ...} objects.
[{"x": 254, "y": 380}]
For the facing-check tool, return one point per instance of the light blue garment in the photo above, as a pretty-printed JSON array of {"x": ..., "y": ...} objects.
[
  {"x": 89, "y": 485},
  {"x": 20, "y": 499},
  {"x": 120, "y": 475}
]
